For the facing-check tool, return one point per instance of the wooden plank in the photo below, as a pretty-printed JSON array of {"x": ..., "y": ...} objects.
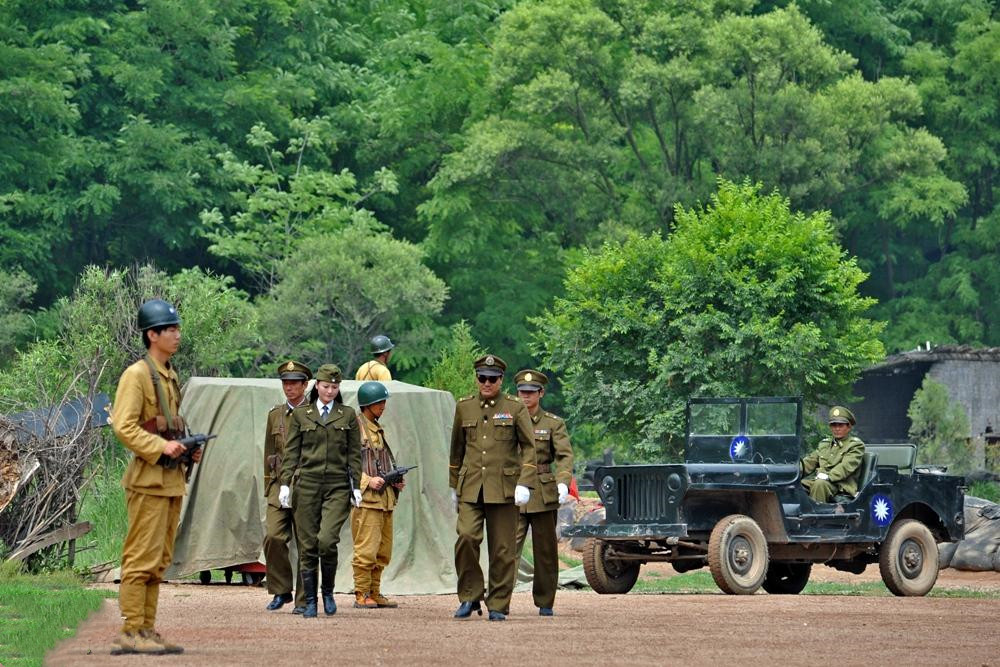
[{"x": 48, "y": 539}]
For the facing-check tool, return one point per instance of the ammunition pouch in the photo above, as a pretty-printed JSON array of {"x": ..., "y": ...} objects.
[
  {"x": 274, "y": 465},
  {"x": 544, "y": 467}
]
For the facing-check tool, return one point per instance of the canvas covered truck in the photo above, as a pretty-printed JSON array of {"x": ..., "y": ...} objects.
[{"x": 736, "y": 504}]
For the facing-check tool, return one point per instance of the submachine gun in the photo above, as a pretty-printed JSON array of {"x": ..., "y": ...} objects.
[
  {"x": 395, "y": 476},
  {"x": 191, "y": 444}
]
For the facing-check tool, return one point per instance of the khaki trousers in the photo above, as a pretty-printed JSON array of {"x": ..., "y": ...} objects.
[
  {"x": 545, "y": 553},
  {"x": 280, "y": 523},
  {"x": 148, "y": 549},
  {"x": 501, "y": 532},
  {"x": 372, "y": 532}
]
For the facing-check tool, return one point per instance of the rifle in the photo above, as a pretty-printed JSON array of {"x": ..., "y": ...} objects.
[
  {"x": 395, "y": 476},
  {"x": 191, "y": 444}
]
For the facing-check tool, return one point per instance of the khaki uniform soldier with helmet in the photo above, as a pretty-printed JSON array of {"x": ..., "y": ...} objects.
[
  {"x": 377, "y": 369},
  {"x": 323, "y": 461},
  {"x": 554, "y": 458},
  {"x": 371, "y": 523},
  {"x": 145, "y": 420},
  {"x": 280, "y": 520},
  {"x": 491, "y": 472},
  {"x": 833, "y": 467}
]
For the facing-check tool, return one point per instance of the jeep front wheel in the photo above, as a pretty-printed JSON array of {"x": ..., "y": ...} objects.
[
  {"x": 604, "y": 574},
  {"x": 908, "y": 560},
  {"x": 737, "y": 555},
  {"x": 787, "y": 578}
]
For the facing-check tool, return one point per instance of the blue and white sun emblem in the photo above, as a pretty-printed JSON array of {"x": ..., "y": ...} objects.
[
  {"x": 881, "y": 509},
  {"x": 739, "y": 448}
]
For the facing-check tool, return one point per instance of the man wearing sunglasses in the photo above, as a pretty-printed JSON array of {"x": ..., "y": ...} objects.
[{"x": 491, "y": 471}]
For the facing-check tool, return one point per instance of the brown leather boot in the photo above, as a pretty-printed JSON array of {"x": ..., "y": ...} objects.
[
  {"x": 384, "y": 602},
  {"x": 136, "y": 642},
  {"x": 154, "y": 636},
  {"x": 364, "y": 601}
]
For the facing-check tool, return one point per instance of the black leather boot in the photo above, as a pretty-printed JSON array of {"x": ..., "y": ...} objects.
[
  {"x": 309, "y": 585},
  {"x": 329, "y": 572}
]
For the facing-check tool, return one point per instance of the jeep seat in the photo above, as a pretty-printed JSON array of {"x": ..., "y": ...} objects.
[{"x": 901, "y": 456}]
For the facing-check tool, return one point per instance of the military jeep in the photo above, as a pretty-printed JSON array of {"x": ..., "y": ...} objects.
[{"x": 737, "y": 505}]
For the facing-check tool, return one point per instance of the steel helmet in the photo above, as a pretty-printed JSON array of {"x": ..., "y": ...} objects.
[
  {"x": 157, "y": 313},
  {"x": 381, "y": 344},
  {"x": 372, "y": 392}
]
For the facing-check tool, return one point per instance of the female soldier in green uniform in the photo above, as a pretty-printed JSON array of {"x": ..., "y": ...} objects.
[{"x": 323, "y": 456}]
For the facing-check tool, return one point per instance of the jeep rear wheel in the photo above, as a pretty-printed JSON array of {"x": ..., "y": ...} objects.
[
  {"x": 908, "y": 560},
  {"x": 786, "y": 578},
  {"x": 737, "y": 555},
  {"x": 604, "y": 574}
]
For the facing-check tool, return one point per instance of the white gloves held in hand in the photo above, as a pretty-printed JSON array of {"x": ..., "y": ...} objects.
[
  {"x": 563, "y": 492},
  {"x": 822, "y": 475},
  {"x": 356, "y": 498},
  {"x": 454, "y": 499},
  {"x": 285, "y": 497},
  {"x": 521, "y": 495}
]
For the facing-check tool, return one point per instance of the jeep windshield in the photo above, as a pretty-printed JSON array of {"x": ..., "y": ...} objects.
[{"x": 743, "y": 430}]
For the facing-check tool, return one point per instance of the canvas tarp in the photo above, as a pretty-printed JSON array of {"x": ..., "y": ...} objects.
[{"x": 222, "y": 519}]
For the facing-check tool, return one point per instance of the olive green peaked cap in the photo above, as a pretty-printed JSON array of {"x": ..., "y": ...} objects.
[{"x": 841, "y": 415}]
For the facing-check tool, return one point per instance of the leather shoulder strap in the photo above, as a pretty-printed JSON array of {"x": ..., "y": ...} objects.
[{"x": 161, "y": 394}]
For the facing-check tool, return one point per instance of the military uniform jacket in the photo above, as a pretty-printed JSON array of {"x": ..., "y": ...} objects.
[
  {"x": 322, "y": 451},
  {"x": 136, "y": 403},
  {"x": 373, "y": 370},
  {"x": 492, "y": 449},
  {"x": 279, "y": 420},
  {"x": 385, "y": 498},
  {"x": 840, "y": 459},
  {"x": 554, "y": 457}
]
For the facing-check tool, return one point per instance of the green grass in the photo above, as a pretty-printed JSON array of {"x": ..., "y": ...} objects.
[
  {"x": 701, "y": 582},
  {"x": 104, "y": 507},
  {"x": 36, "y": 612},
  {"x": 569, "y": 560},
  {"x": 986, "y": 490}
]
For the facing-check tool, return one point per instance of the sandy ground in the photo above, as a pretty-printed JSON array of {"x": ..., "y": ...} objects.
[{"x": 228, "y": 625}]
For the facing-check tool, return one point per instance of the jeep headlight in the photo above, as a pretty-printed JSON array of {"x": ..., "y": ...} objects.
[{"x": 607, "y": 489}]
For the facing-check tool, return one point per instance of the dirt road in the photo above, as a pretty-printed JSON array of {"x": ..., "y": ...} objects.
[{"x": 227, "y": 625}]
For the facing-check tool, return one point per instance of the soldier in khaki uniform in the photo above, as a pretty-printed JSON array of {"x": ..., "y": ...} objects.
[
  {"x": 371, "y": 523},
  {"x": 833, "y": 467},
  {"x": 554, "y": 458},
  {"x": 377, "y": 369},
  {"x": 280, "y": 520},
  {"x": 491, "y": 471},
  {"x": 323, "y": 460},
  {"x": 145, "y": 420}
]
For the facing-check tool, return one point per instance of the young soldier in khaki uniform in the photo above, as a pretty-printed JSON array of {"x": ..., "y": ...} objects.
[
  {"x": 371, "y": 523},
  {"x": 554, "y": 458},
  {"x": 833, "y": 467},
  {"x": 323, "y": 452},
  {"x": 280, "y": 521},
  {"x": 491, "y": 472},
  {"x": 145, "y": 420},
  {"x": 377, "y": 369}
]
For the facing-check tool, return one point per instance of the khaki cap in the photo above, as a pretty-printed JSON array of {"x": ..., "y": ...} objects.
[
  {"x": 294, "y": 370},
  {"x": 841, "y": 415},
  {"x": 490, "y": 364},
  {"x": 329, "y": 373},
  {"x": 530, "y": 380}
]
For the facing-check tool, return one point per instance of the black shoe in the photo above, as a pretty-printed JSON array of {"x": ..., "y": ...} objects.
[
  {"x": 545, "y": 611},
  {"x": 298, "y": 610},
  {"x": 309, "y": 584},
  {"x": 329, "y": 605},
  {"x": 328, "y": 571},
  {"x": 279, "y": 601},
  {"x": 497, "y": 616},
  {"x": 466, "y": 608}
]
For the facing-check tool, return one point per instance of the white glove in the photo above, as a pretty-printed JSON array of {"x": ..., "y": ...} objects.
[
  {"x": 285, "y": 497},
  {"x": 356, "y": 500},
  {"x": 563, "y": 492},
  {"x": 822, "y": 475},
  {"x": 521, "y": 495},
  {"x": 454, "y": 499}
]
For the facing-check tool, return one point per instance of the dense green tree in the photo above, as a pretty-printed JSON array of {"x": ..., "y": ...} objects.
[
  {"x": 940, "y": 427},
  {"x": 746, "y": 297},
  {"x": 16, "y": 323},
  {"x": 452, "y": 369}
]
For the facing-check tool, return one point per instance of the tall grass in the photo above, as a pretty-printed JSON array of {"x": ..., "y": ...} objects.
[
  {"x": 103, "y": 505},
  {"x": 986, "y": 490}
]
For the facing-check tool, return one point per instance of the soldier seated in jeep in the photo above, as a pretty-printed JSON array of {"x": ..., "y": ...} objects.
[{"x": 833, "y": 468}]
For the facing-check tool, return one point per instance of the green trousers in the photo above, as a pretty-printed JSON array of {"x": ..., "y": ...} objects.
[
  {"x": 545, "y": 553},
  {"x": 280, "y": 522},
  {"x": 320, "y": 511},
  {"x": 500, "y": 520},
  {"x": 820, "y": 490}
]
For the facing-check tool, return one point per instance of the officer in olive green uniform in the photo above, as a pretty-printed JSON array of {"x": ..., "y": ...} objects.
[
  {"x": 280, "y": 520},
  {"x": 833, "y": 467},
  {"x": 371, "y": 523},
  {"x": 323, "y": 460},
  {"x": 554, "y": 458},
  {"x": 491, "y": 471},
  {"x": 145, "y": 419}
]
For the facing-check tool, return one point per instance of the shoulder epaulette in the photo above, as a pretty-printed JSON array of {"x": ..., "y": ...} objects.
[
  {"x": 513, "y": 398},
  {"x": 277, "y": 407},
  {"x": 556, "y": 417},
  {"x": 466, "y": 398}
]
